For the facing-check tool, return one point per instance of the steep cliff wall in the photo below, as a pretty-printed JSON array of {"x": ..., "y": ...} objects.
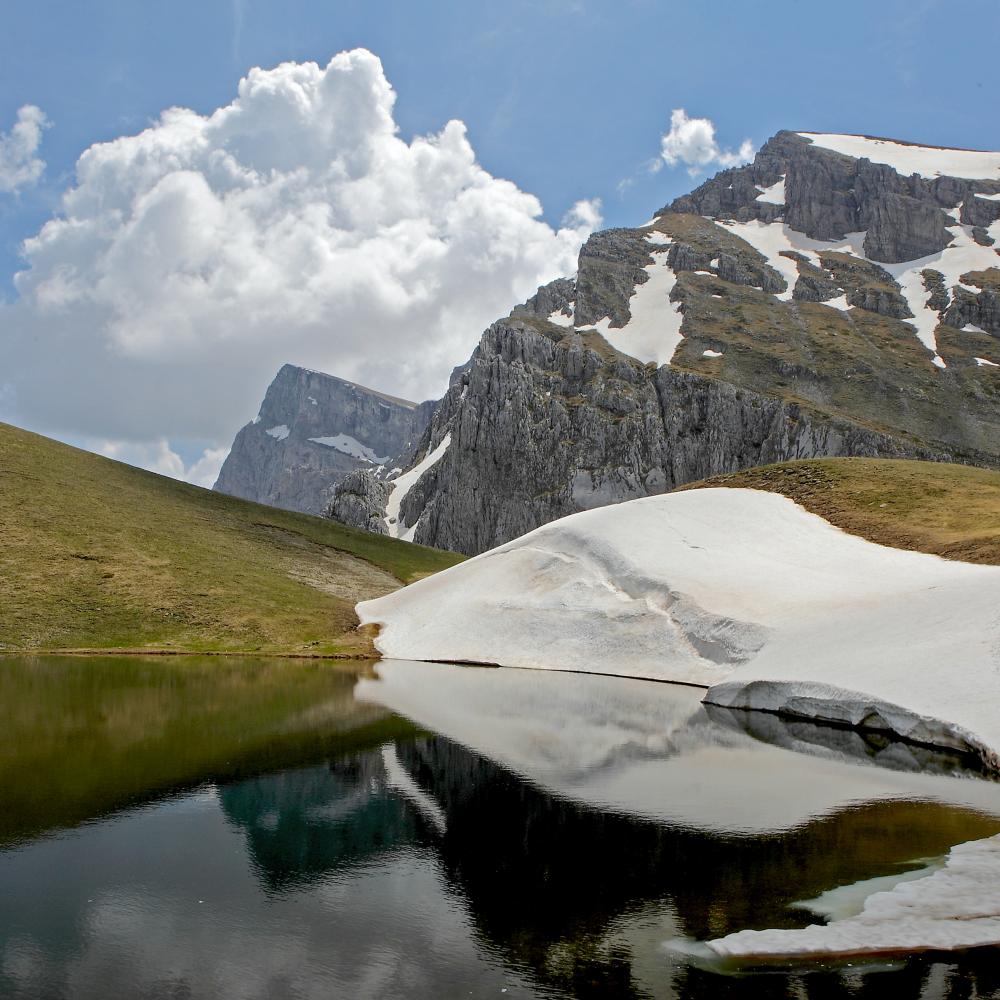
[{"x": 312, "y": 430}]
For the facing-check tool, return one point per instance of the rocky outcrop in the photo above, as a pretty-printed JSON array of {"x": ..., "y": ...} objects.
[
  {"x": 542, "y": 427},
  {"x": 360, "y": 499},
  {"x": 828, "y": 195},
  {"x": 786, "y": 348},
  {"x": 312, "y": 430}
]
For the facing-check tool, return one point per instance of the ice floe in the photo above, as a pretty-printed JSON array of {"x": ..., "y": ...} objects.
[{"x": 954, "y": 907}]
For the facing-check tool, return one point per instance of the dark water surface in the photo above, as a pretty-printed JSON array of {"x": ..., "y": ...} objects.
[{"x": 213, "y": 828}]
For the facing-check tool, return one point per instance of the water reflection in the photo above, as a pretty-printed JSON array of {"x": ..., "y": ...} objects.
[{"x": 431, "y": 831}]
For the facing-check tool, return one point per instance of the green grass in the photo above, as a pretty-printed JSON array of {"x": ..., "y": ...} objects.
[
  {"x": 95, "y": 554},
  {"x": 949, "y": 510}
]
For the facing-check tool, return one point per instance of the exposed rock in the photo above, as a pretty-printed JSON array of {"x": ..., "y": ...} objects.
[
  {"x": 867, "y": 285},
  {"x": 311, "y": 431},
  {"x": 611, "y": 265},
  {"x": 543, "y": 426},
  {"x": 548, "y": 418},
  {"x": 940, "y": 298},
  {"x": 359, "y": 499},
  {"x": 979, "y": 308}
]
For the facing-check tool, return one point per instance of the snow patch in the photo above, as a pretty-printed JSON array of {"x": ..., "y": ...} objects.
[
  {"x": 658, "y": 239},
  {"x": 312, "y": 401},
  {"x": 938, "y": 361},
  {"x": 840, "y": 302},
  {"x": 988, "y": 197},
  {"x": 351, "y": 446},
  {"x": 279, "y": 433},
  {"x": 403, "y": 484},
  {"x": 744, "y": 591},
  {"x": 773, "y": 195},
  {"x": 770, "y": 239},
  {"x": 962, "y": 255},
  {"x": 653, "y": 331},
  {"x": 560, "y": 318},
  {"x": 984, "y": 362},
  {"x": 711, "y": 354},
  {"x": 928, "y": 161}
]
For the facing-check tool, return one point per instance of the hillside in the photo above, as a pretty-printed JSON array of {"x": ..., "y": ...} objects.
[
  {"x": 836, "y": 297},
  {"x": 100, "y": 555},
  {"x": 948, "y": 510}
]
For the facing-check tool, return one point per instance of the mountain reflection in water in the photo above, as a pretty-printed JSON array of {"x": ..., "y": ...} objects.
[{"x": 269, "y": 830}]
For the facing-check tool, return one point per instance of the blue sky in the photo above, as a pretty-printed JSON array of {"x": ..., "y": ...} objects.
[{"x": 567, "y": 99}]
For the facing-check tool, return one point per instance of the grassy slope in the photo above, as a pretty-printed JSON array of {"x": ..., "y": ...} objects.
[
  {"x": 857, "y": 365},
  {"x": 950, "y": 510},
  {"x": 97, "y": 554}
]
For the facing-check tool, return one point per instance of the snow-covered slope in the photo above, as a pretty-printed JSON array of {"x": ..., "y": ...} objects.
[
  {"x": 908, "y": 158},
  {"x": 737, "y": 590}
]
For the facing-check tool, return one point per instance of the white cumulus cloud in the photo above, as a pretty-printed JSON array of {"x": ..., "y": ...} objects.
[
  {"x": 19, "y": 166},
  {"x": 158, "y": 456},
  {"x": 189, "y": 262},
  {"x": 692, "y": 141}
]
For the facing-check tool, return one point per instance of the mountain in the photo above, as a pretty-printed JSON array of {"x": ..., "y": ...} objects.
[
  {"x": 101, "y": 555},
  {"x": 311, "y": 431},
  {"x": 836, "y": 297}
]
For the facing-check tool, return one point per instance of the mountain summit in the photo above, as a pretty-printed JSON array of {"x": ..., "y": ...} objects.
[{"x": 837, "y": 296}]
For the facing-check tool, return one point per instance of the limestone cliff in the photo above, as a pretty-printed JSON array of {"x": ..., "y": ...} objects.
[
  {"x": 815, "y": 302},
  {"x": 312, "y": 430}
]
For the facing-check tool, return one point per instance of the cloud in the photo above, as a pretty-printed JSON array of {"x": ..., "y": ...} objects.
[
  {"x": 189, "y": 262},
  {"x": 19, "y": 167},
  {"x": 691, "y": 141},
  {"x": 158, "y": 456}
]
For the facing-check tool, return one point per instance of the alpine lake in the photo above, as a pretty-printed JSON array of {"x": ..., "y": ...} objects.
[{"x": 185, "y": 827}]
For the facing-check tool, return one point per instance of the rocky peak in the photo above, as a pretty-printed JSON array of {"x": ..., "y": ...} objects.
[
  {"x": 837, "y": 296},
  {"x": 311, "y": 431}
]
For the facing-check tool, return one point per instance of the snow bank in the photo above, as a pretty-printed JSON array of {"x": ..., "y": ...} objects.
[
  {"x": 928, "y": 161},
  {"x": 953, "y": 907},
  {"x": 737, "y": 590},
  {"x": 279, "y": 433}
]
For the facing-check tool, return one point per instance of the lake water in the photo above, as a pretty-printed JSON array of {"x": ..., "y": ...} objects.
[{"x": 215, "y": 828}]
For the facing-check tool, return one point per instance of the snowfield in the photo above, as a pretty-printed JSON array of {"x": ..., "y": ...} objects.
[
  {"x": 928, "y": 161},
  {"x": 740, "y": 591}
]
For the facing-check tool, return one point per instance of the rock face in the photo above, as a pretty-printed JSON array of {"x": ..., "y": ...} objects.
[
  {"x": 311, "y": 432},
  {"x": 811, "y": 303}
]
